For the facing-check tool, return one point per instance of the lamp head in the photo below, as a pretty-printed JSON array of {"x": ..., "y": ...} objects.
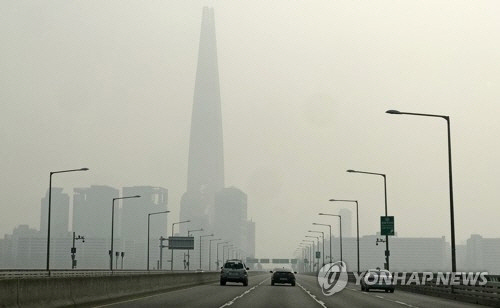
[
  {"x": 351, "y": 170},
  {"x": 84, "y": 169},
  {"x": 392, "y": 111}
]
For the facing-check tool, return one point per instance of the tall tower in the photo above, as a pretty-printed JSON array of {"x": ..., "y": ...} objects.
[{"x": 206, "y": 158}]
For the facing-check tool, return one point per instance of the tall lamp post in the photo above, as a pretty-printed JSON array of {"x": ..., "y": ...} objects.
[
  {"x": 340, "y": 225},
  {"x": 450, "y": 179},
  {"x": 387, "y": 252},
  {"x": 149, "y": 218},
  {"x": 317, "y": 246},
  {"x": 323, "y": 238},
  {"x": 169, "y": 247},
  {"x": 112, "y": 227},
  {"x": 210, "y": 252},
  {"x": 218, "y": 263},
  {"x": 357, "y": 224},
  {"x": 50, "y": 202},
  {"x": 311, "y": 254},
  {"x": 202, "y": 236},
  {"x": 223, "y": 252},
  {"x": 329, "y": 226},
  {"x": 189, "y": 234},
  {"x": 308, "y": 252}
]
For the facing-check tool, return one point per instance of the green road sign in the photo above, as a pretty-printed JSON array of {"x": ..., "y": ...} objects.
[{"x": 386, "y": 225}]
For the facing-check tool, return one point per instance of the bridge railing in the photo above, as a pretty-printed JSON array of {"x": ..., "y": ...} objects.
[{"x": 36, "y": 273}]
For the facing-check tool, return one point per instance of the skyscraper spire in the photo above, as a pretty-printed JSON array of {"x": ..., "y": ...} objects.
[{"x": 206, "y": 158}]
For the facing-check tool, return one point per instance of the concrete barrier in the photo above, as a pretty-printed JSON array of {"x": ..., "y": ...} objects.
[
  {"x": 65, "y": 291},
  {"x": 8, "y": 293}
]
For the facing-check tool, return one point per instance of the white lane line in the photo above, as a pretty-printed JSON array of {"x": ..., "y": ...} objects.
[
  {"x": 379, "y": 296},
  {"x": 312, "y": 296},
  {"x": 229, "y": 303},
  {"x": 405, "y": 304}
]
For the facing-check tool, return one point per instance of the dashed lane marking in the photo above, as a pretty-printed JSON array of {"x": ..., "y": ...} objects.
[
  {"x": 229, "y": 303},
  {"x": 312, "y": 296}
]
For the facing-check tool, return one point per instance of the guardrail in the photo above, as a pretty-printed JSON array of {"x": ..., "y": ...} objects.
[
  {"x": 35, "y": 273},
  {"x": 487, "y": 294}
]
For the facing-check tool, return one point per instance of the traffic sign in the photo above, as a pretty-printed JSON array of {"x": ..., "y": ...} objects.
[
  {"x": 387, "y": 225},
  {"x": 318, "y": 254},
  {"x": 181, "y": 242}
]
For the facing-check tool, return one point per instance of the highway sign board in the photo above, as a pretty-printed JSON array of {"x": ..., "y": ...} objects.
[
  {"x": 386, "y": 225},
  {"x": 294, "y": 261},
  {"x": 264, "y": 260},
  {"x": 181, "y": 242},
  {"x": 281, "y": 261},
  {"x": 252, "y": 260}
]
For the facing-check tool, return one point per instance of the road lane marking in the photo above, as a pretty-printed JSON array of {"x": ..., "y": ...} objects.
[
  {"x": 379, "y": 296},
  {"x": 405, "y": 304},
  {"x": 229, "y": 303},
  {"x": 312, "y": 296}
]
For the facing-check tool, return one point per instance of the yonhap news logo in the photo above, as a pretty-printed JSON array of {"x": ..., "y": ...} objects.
[{"x": 332, "y": 278}]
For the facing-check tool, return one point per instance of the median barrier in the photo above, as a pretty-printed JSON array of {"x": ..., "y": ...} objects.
[{"x": 68, "y": 291}]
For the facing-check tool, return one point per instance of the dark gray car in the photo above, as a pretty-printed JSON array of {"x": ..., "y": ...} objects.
[{"x": 234, "y": 271}]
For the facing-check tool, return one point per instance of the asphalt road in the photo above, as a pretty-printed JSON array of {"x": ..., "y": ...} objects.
[{"x": 260, "y": 293}]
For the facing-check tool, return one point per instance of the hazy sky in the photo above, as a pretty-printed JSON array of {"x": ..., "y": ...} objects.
[{"x": 109, "y": 85}]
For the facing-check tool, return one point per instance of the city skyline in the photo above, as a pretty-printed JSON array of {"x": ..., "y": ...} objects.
[{"x": 305, "y": 88}]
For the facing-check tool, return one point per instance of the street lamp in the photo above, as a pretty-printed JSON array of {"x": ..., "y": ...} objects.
[
  {"x": 357, "y": 223},
  {"x": 311, "y": 262},
  {"x": 323, "y": 242},
  {"x": 329, "y": 226},
  {"x": 149, "y": 218},
  {"x": 201, "y": 236},
  {"x": 218, "y": 251},
  {"x": 189, "y": 234},
  {"x": 317, "y": 246},
  {"x": 169, "y": 247},
  {"x": 112, "y": 227},
  {"x": 387, "y": 252},
  {"x": 210, "y": 251},
  {"x": 50, "y": 201},
  {"x": 340, "y": 225},
  {"x": 450, "y": 179},
  {"x": 223, "y": 254}
]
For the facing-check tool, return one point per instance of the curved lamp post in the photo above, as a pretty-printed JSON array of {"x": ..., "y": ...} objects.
[
  {"x": 357, "y": 224},
  {"x": 450, "y": 179},
  {"x": 340, "y": 225},
  {"x": 329, "y": 226},
  {"x": 149, "y": 218},
  {"x": 49, "y": 208},
  {"x": 387, "y": 252},
  {"x": 112, "y": 227},
  {"x": 323, "y": 237}
]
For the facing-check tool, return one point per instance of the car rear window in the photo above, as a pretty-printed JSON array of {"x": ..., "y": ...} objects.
[{"x": 233, "y": 265}]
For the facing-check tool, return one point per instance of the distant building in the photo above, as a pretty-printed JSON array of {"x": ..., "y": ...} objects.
[
  {"x": 92, "y": 211},
  {"x": 206, "y": 156},
  {"x": 482, "y": 254},
  {"x": 59, "y": 213},
  {"x": 406, "y": 253},
  {"x": 231, "y": 221},
  {"x": 134, "y": 223}
]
